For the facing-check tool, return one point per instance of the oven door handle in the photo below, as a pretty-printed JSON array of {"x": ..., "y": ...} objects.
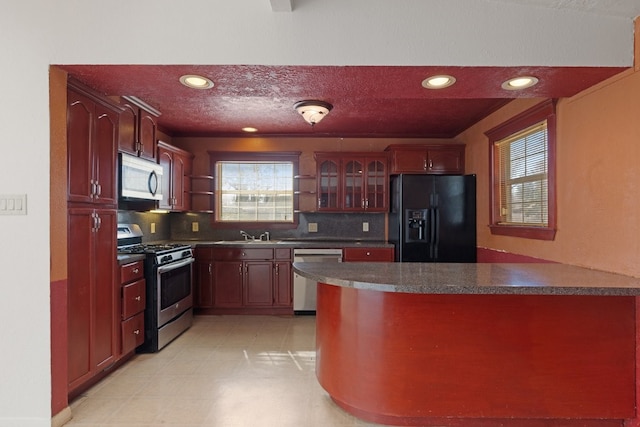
[{"x": 175, "y": 265}]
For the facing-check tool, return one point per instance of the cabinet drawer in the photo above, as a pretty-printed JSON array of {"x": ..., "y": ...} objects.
[
  {"x": 133, "y": 298},
  {"x": 368, "y": 254},
  {"x": 132, "y": 271},
  {"x": 242, "y": 253},
  {"x": 132, "y": 333},
  {"x": 282, "y": 253}
]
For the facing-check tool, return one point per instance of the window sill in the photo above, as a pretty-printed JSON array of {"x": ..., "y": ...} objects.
[{"x": 538, "y": 233}]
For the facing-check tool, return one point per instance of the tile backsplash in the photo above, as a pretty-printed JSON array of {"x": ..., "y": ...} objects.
[{"x": 180, "y": 226}]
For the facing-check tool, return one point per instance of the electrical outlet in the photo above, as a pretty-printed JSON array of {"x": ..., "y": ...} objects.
[
  {"x": 365, "y": 226},
  {"x": 195, "y": 227},
  {"x": 313, "y": 227},
  {"x": 153, "y": 227}
]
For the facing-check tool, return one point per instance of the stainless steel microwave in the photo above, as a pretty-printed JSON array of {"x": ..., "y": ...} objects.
[{"x": 139, "y": 179}]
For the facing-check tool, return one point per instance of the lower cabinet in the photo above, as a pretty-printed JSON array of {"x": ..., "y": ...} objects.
[
  {"x": 367, "y": 255},
  {"x": 133, "y": 302},
  {"x": 92, "y": 297},
  {"x": 243, "y": 280}
]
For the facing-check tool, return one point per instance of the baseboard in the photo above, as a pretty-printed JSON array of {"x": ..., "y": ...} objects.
[{"x": 61, "y": 418}]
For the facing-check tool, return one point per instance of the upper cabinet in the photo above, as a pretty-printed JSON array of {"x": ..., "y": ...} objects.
[
  {"x": 92, "y": 138},
  {"x": 176, "y": 183},
  {"x": 352, "y": 181},
  {"x": 437, "y": 159},
  {"x": 138, "y": 128}
]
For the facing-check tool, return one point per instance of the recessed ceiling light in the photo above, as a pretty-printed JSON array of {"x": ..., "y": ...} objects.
[
  {"x": 518, "y": 83},
  {"x": 250, "y": 129},
  {"x": 438, "y": 82},
  {"x": 196, "y": 82}
]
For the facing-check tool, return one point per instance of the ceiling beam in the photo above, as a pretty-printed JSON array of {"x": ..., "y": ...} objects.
[{"x": 281, "y": 5}]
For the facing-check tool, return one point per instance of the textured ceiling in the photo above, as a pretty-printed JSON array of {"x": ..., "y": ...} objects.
[{"x": 374, "y": 101}]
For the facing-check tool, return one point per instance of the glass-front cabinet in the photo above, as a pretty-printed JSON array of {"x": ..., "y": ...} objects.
[{"x": 352, "y": 182}]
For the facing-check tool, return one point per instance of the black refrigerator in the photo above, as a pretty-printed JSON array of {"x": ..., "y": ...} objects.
[{"x": 433, "y": 218}]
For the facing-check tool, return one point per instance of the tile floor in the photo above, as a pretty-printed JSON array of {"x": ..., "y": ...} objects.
[{"x": 224, "y": 371}]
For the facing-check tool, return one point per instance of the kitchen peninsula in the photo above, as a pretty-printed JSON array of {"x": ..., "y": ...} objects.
[{"x": 477, "y": 345}]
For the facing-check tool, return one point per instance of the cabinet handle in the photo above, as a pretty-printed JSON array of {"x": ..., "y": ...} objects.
[
  {"x": 138, "y": 298},
  {"x": 136, "y": 332},
  {"x": 98, "y": 190},
  {"x": 424, "y": 165},
  {"x": 240, "y": 269},
  {"x": 209, "y": 268},
  {"x": 368, "y": 253},
  {"x": 277, "y": 268},
  {"x": 136, "y": 271},
  {"x": 430, "y": 164}
]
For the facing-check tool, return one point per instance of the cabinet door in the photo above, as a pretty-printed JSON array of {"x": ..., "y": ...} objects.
[
  {"x": 446, "y": 161},
  {"x": 282, "y": 281},
  {"x": 105, "y": 155},
  {"x": 409, "y": 161},
  {"x": 376, "y": 182},
  {"x": 227, "y": 279},
  {"x": 165, "y": 159},
  {"x": 352, "y": 182},
  {"x": 92, "y": 292},
  {"x": 79, "y": 294},
  {"x": 258, "y": 285},
  {"x": 328, "y": 172},
  {"x": 106, "y": 290},
  {"x": 128, "y": 134},
  {"x": 204, "y": 283},
  {"x": 147, "y": 134},
  {"x": 80, "y": 122},
  {"x": 180, "y": 170}
]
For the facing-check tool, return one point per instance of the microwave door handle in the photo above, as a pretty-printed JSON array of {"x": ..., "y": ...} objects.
[
  {"x": 153, "y": 182},
  {"x": 175, "y": 265}
]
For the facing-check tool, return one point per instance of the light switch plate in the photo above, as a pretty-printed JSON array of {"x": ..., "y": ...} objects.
[
  {"x": 13, "y": 204},
  {"x": 195, "y": 227},
  {"x": 365, "y": 226},
  {"x": 313, "y": 227}
]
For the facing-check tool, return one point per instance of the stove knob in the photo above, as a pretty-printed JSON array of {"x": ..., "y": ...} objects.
[
  {"x": 186, "y": 254},
  {"x": 166, "y": 258}
]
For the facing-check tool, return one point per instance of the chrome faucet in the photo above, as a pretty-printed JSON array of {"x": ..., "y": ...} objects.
[
  {"x": 266, "y": 236},
  {"x": 247, "y": 235}
]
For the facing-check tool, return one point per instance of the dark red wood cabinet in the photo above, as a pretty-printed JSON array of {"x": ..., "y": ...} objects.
[
  {"x": 92, "y": 132},
  {"x": 138, "y": 128},
  {"x": 352, "y": 181},
  {"x": 243, "y": 280},
  {"x": 176, "y": 183},
  {"x": 92, "y": 331},
  {"x": 430, "y": 158},
  {"x": 133, "y": 302},
  {"x": 92, "y": 291}
]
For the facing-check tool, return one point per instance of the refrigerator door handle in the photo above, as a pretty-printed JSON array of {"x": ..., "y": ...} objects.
[
  {"x": 432, "y": 225},
  {"x": 436, "y": 232}
]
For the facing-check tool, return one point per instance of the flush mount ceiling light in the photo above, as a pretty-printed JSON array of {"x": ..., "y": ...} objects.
[
  {"x": 518, "y": 83},
  {"x": 438, "y": 82},
  {"x": 312, "y": 111},
  {"x": 249, "y": 129},
  {"x": 196, "y": 82}
]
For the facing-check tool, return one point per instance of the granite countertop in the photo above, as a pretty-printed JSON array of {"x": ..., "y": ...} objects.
[
  {"x": 489, "y": 278},
  {"x": 127, "y": 258},
  {"x": 295, "y": 243}
]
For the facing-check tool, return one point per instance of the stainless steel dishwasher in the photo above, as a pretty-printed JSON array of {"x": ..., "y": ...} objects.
[{"x": 304, "y": 290}]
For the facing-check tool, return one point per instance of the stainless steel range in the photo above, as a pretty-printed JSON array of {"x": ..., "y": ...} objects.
[{"x": 168, "y": 276}]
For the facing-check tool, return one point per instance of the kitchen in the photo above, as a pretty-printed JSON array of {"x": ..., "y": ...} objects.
[{"x": 586, "y": 207}]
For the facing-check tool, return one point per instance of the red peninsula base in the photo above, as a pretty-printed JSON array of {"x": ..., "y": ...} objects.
[{"x": 477, "y": 360}]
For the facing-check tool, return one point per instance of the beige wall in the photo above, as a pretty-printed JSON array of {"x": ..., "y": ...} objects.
[{"x": 598, "y": 178}]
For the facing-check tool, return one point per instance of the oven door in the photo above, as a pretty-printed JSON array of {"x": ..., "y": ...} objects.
[{"x": 175, "y": 290}]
